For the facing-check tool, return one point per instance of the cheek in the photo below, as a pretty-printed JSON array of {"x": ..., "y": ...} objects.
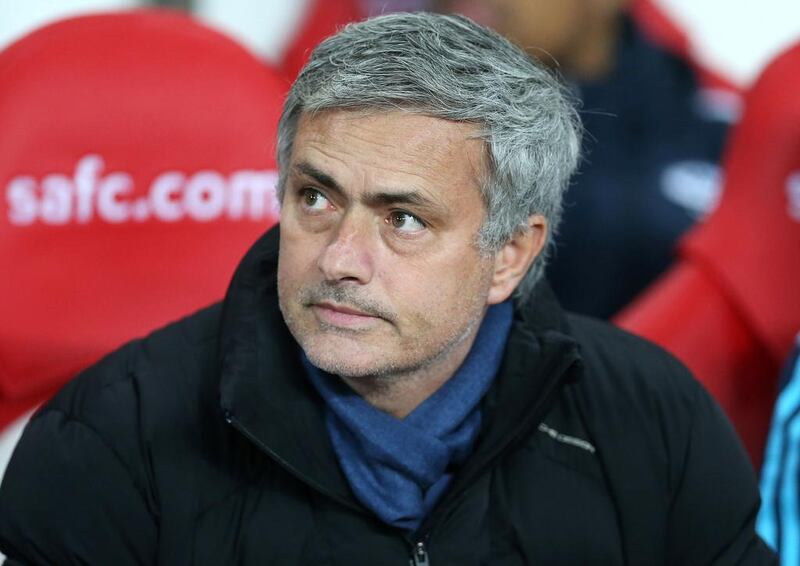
[
  {"x": 297, "y": 254},
  {"x": 439, "y": 293},
  {"x": 293, "y": 275}
]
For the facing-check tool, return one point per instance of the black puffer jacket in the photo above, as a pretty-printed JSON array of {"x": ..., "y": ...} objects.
[{"x": 204, "y": 444}]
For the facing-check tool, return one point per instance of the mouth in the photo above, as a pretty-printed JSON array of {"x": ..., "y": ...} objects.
[{"x": 342, "y": 316}]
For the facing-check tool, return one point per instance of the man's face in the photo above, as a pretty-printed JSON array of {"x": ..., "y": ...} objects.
[{"x": 378, "y": 273}]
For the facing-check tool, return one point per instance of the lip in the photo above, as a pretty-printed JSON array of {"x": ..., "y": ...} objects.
[{"x": 340, "y": 315}]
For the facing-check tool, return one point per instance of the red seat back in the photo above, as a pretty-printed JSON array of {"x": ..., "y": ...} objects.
[
  {"x": 136, "y": 166},
  {"x": 730, "y": 308}
]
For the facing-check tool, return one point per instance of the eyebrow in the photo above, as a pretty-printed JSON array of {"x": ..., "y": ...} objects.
[
  {"x": 373, "y": 199},
  {"x": 390, "y": 198},
  {"x": 319, "y": 176}
]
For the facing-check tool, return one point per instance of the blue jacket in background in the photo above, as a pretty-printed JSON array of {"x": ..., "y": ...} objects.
[{"x": 651, "y": 150}]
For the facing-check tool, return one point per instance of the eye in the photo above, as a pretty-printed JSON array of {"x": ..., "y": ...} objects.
[
  {"x": 405, "y": 222},
  {"x": 312, "y": 199}
]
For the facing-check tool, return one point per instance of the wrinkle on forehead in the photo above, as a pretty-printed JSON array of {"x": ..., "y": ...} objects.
[{"x": 423, "y": 141}]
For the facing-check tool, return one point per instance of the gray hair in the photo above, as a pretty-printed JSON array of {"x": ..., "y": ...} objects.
[{"x": 449, "y": 67}]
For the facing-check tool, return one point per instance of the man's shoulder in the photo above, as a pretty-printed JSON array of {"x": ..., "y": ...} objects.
[
  {"x": 630, "y": 374},
  {"x": 99, "y": 446},
  {"x": 664, "y": 446},
  {"x": 154, "y": 377},
  {"x": 626, "y": 356}
]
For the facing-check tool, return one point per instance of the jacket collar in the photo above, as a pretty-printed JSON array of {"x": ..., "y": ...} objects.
[{"x": 264, "y": 392}]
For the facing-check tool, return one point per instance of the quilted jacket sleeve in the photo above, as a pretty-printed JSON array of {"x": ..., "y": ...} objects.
[
  {"x": 77, "y": 488},
  {"x": 715, "y": 504},
  {"x": 67, "y": 498}
]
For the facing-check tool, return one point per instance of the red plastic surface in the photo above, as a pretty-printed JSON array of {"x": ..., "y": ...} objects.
[{"x": 136, "y": 167}]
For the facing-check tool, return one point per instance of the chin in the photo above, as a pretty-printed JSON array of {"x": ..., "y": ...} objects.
[
  {"x": 340, "y": 362},
  {"x": 357, "y": 358}
]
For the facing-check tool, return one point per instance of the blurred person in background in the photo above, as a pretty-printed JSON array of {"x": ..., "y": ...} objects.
[
  {"x": 651, "y": 144},
  {"x": 779, "y": 519}
]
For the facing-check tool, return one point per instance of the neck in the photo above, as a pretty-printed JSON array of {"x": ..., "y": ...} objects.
[{"x": 399, "y": 394}]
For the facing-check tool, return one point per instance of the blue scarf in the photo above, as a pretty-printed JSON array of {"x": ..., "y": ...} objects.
[{"x": 399, "y": 468}]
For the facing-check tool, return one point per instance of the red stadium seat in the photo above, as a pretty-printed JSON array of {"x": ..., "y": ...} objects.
[
  {"x": 136, "y": 167},
  {"x": 730, "y": 307}
]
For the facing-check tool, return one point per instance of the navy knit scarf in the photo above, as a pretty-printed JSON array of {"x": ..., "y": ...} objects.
[{"x": 399, "y": 468}]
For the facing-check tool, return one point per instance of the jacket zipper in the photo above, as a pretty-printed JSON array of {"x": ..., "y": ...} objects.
[
  {"x": 229, "y": 418},
  {"x": 419, "y": 555}
]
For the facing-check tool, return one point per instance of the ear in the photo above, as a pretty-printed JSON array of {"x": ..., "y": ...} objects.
[{"x": 515, "y": 257}]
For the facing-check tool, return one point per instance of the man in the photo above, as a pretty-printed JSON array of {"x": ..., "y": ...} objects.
[{"x": 389, "y": 379}]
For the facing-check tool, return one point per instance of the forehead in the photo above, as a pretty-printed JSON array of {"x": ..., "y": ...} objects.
[{"x": 392, "y": 146}]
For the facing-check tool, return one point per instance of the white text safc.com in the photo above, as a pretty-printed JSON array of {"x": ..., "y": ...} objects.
[{"x": 92, "y": 194}]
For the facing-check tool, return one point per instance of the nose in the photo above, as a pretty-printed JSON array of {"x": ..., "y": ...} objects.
[{"x": 348, "y": 256}]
